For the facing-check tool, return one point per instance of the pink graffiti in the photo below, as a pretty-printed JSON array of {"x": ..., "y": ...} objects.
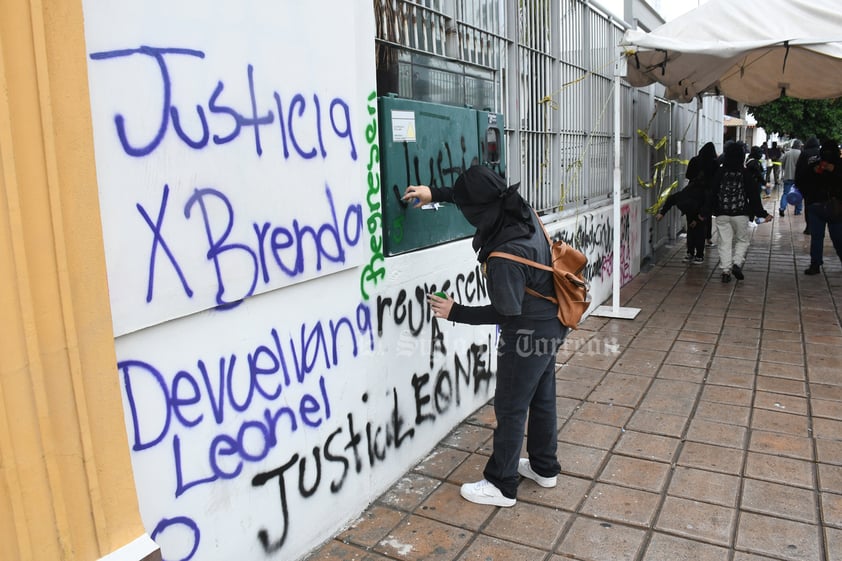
[{"x": 607, "y": 264}]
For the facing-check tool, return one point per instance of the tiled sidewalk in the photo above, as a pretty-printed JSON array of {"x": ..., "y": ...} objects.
[{"x": 709, "y": 428}]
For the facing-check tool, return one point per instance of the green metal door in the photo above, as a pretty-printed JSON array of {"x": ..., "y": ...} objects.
[{"x": 428, "y": 144}]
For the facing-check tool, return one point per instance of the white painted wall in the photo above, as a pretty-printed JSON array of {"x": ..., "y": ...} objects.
[
  {"x": 227, "y": 154},
  {"x": 211, "y": 451},
  {"x": 268, "y": 401}
]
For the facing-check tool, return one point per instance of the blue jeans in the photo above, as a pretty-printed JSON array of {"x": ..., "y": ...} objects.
[
  {"x": 817, "y": 219},
  {"x": 788, "y": 184},
  {"x": 525, "y": 388}
]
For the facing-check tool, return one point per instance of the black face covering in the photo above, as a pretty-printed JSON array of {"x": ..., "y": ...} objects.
[
  {"x": 497, "y": 212},
  {"x": 830, "y": 151}
]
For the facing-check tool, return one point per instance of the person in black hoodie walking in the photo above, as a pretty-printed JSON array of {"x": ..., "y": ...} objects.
[
  {"x": 694, "y": 203},
  {"x": 755, "y": 169},
  {"x": 808, "y": 158},
  {"x": 823, "y": 184},
  {"x": 705, "y": 163},
  {"x": 736, "y": 197},
  {"x": 530, "y": 332},
  {"x": 773, "y": 168}
]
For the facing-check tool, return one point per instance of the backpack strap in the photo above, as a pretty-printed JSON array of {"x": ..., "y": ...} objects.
[
  {"x": 530, "y": 263},
  {"x": 523, "y": 260}
]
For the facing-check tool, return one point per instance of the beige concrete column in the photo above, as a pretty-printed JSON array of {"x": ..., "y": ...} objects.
[{"x": 66, "y": 484}]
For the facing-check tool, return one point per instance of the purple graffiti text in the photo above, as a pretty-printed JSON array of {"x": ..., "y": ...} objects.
[
  {"x": 235, "y": 409},
  {"x": 275, "y": 249},
  {"x": 295, "y": 114}
]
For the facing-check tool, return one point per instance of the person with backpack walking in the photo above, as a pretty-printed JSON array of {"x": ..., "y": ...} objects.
[
  {"x": 736, "y": 200},
  {"x": 530, "y": 331}
]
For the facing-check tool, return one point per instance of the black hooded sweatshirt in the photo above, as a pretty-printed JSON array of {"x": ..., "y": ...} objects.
[
  {"x": 755, "y": 168},
  {"x": 815, "y": 183},
  {"x": 504, "y": 222},
  {"x": 704, "y": 165},
  {"x": 693, "y": 201},
  {"x": 805, "y": 179}
]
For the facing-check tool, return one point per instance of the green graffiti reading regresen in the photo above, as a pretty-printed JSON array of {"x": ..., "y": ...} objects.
[{"x": 371, "y": 273}]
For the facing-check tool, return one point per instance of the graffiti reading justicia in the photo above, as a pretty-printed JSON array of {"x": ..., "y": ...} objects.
[{"x": 235, "y": 253}]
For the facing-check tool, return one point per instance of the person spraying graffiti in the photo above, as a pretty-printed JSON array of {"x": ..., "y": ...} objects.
[{"x": 530, "y": 332}]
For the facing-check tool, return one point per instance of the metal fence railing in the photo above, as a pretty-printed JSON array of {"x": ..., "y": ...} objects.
[{"x": 549, "y": 66}]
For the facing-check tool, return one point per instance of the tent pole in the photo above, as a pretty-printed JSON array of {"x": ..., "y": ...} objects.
[{"x": 615, "y": 311}]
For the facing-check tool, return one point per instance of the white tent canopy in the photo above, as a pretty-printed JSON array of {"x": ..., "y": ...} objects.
[{"x": 751, "y": 51}]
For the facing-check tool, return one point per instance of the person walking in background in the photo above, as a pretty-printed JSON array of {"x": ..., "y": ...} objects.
[
  {"x": 755, "y": 169},
  {"x": 736, "y": 197},
  {"x": 823, "y": 184},
  {"x": 773, "y": 168},
  {"x": 808, "y": 158},
  {"x": 694, "y": 203},
  {"x": 706, "y": 162},
  {"x": 530, "y": 331},
  {"x": 788, "y": 162},
  {"x": 766, "y": 161}
]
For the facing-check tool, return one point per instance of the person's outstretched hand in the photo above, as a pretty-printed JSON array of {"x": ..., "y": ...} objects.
[
  {"x": 420, "y": 194},
  {"x": 441, "y": 306}
]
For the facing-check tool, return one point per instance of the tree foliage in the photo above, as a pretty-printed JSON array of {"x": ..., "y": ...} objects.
[{"x": 801, "y": 118}]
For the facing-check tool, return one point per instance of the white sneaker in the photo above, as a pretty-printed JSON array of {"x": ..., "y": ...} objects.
[
  {"x": 525, "y": 469},
  {"x": 485, "y": 493}
]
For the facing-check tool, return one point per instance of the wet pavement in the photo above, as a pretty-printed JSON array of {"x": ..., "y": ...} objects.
[{"x": 708, "y": 428}]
